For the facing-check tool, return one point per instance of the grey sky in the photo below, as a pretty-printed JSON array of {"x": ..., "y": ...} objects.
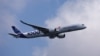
[{"x": 80, "y": 43}]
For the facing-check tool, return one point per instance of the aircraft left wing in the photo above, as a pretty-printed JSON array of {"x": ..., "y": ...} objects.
[{"x": 44, "y": 30}]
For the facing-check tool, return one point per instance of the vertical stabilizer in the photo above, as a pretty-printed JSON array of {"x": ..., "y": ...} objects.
[{"x": 16, "y": 30}]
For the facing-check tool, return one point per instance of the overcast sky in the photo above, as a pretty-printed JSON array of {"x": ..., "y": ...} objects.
[{"x": 50, "y": 14}]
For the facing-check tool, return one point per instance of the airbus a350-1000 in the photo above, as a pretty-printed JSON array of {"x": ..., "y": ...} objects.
[{"x": 42, "y": 32}]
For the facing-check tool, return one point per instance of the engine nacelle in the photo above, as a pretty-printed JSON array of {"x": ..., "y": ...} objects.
[{"x": 61, "y": 36}]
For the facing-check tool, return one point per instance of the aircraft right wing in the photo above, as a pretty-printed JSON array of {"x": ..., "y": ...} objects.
[{"x": 44, "y": 30}]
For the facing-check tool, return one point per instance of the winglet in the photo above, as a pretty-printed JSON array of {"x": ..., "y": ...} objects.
[
  {"x": 25, "y": 23},
  {"x": 21, "y": 21}
]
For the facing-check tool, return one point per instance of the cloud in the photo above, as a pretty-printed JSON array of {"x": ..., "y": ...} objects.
[
  {"x": 38, "y": 52},
  {"x": 8, "y": 11},
  {"x": 8, "y": 17},
  {"x": 80, "y": 43},
  {"x": 13, "y": 5}
]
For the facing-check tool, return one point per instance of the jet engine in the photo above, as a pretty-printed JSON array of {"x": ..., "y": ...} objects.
[{"x": 61, "y": 36}]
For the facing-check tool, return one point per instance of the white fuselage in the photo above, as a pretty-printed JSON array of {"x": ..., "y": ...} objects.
[
  {"x": 33, "y": 34},
  {"x": 45, "y": 31}
]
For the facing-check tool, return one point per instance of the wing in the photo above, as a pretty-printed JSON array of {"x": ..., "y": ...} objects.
[{"x": 44, "y": 30}]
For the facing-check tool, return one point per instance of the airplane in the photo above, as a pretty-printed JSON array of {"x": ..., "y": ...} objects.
[{"x": 43, "y": 32}]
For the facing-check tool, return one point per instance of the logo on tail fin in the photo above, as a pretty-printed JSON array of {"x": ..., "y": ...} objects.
[{"x": 16, "y": 30}]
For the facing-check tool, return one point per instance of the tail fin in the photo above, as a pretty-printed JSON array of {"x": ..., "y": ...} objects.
[
  {"x": 18, "y": 33},
  {"x": 16, "y": 30}
]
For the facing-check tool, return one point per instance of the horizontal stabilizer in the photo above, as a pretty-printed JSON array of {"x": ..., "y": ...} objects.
[{"x": 14, "y": 35}]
